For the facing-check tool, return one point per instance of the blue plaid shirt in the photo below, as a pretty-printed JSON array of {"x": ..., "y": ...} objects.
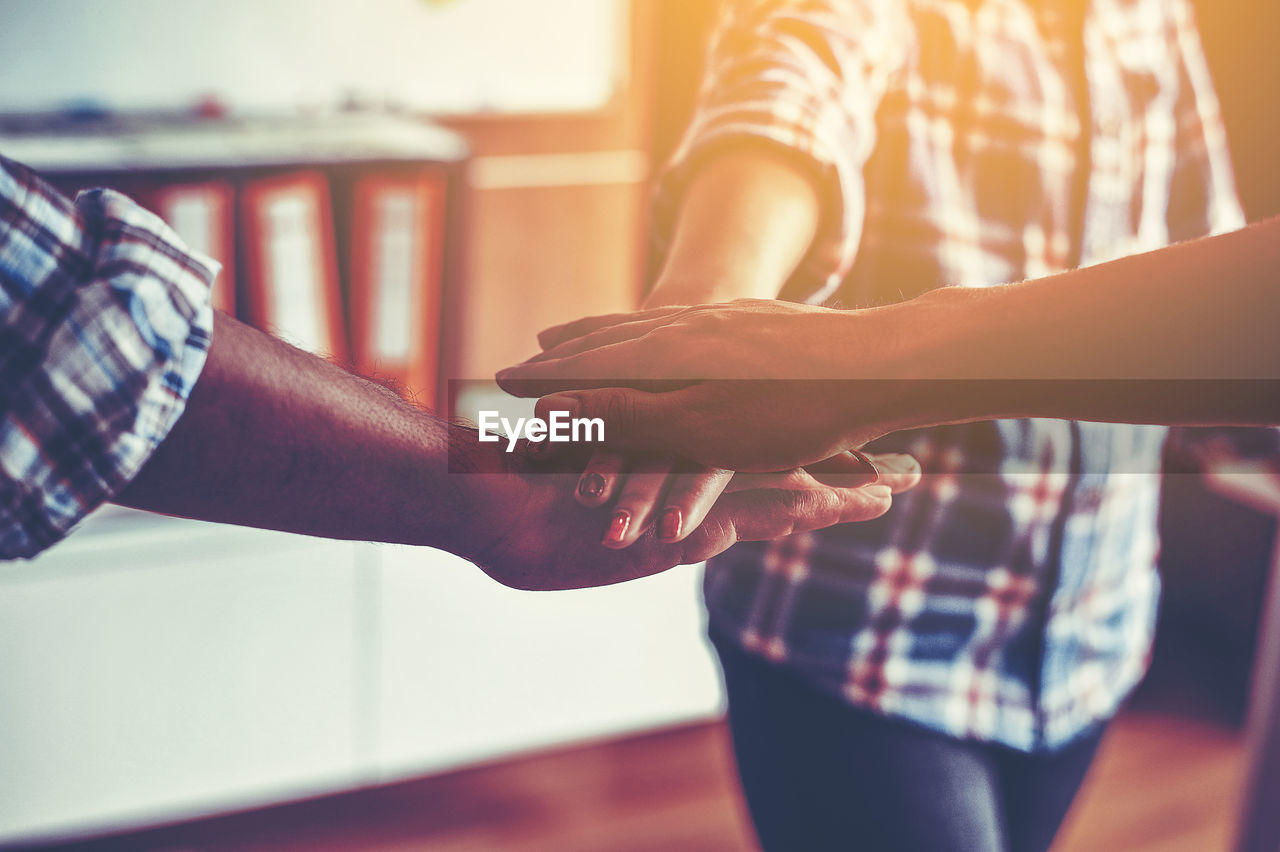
[
  {"x": 1011, "y": 597},
  {"x": 104, "y": 328}
]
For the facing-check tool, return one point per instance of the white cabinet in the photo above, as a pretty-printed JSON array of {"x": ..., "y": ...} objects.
[
  {"x": 175, "y": 669},
  {"x": 471, "y": 670},
  {"x": 154, "y": 669}
]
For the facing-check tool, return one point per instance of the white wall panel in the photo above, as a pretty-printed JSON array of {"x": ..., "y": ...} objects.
[
  {"x": 437, "y": 55},
  {"x": 173, "y": 671},
  {"x": 471, "y": 670}
]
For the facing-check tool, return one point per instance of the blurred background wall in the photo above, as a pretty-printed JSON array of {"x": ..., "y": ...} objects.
[
  {"x": 158, "y": 672},
  {"x": 156, "y": 669}
]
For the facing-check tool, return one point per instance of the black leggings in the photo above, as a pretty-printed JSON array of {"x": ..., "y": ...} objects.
[{"x": 819, "y": 774}]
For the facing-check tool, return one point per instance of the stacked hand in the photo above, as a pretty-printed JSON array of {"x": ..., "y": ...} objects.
[
  {"x": 526, "y": 549},
  {"x": 754, "y": 385},
  {"x": 694, "y": 383}
]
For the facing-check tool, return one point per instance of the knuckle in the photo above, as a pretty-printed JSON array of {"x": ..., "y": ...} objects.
[{"x": 617, "y": 408}]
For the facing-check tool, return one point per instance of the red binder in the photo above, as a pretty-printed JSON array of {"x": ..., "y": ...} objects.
[
  {"x": 203, "y": 214},
  {"x": 396, "y": 263},
  {"x": 290, "y": 262}
]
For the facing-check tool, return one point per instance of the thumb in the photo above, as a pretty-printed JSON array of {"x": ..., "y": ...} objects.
[
  {"x": 847, "y": 470},
  {"x": 850, "y": 469},
  {"x": 631, "y": 418}
]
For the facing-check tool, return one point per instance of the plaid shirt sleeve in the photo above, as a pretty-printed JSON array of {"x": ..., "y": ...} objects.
[
  {"x": 805, "y": 78},
  {"x": 104, "y": 328},
  {"x": 1202, "y": 192}
]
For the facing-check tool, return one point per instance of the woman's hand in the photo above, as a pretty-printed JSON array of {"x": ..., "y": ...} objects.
[
  {"x": 646, "y": 490},
  {"x": 754, "y": 426},
  {"x": 527, "y": 532},
  {"x": 742, "y": 339},
  {"x": 754, "y": 385},
  {"x": 674, "y": 498}
]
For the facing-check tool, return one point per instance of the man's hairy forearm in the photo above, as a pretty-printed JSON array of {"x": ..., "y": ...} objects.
[
  {"x": 273, "y": 437},
  {"x": 1183, "y": 335}
]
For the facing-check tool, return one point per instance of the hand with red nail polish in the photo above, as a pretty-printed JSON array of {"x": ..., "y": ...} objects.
[
  {"x": 649, "y": 494},
  {"x": 673, "y": 498},
  {"x": 527, "y": 528}
]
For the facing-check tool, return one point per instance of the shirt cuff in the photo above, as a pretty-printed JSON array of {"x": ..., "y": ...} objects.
[{"x": 117, "y": 359}]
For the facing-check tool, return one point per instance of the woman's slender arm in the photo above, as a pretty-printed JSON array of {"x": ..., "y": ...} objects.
[
  {"x": 1186, "y": 334},
  {"x": 764, "y": 191},
  {"x": 745, "y": 222},
  {"x": 1204, "y": 309}
]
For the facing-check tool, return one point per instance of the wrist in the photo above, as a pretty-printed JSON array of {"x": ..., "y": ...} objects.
[
  {"x": 938, "y": 353},
  {"x": 436, "y": 488},
  {"x": 464, "y": 503},
  {"x": 877, "y": 360}
]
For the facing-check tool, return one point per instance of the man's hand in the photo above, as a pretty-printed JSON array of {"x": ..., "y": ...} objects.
[{"x": 276, "y": 438}]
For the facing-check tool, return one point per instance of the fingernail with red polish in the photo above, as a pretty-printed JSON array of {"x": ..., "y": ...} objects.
[
  {"x": 591, "y": 485},
  {"x": 671, "y": 524},
  {"x": 618, "y": 527}
]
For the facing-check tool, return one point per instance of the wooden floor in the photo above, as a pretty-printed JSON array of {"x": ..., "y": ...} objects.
[
  {"x": 671, "y": 790},
  {"x": 1161, "y": 784}
]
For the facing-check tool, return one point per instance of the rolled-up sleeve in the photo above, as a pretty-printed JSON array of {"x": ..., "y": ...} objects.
[
  {"x": 1202, "y": 193},
  {"x": 104, "y": 327},
  {"x": 805, "y": 78}
]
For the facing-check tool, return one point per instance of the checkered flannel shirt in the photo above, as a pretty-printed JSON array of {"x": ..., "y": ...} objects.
[
  {"x": 1010, "y": 598},
  {"x": 104, "y": 328}
]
